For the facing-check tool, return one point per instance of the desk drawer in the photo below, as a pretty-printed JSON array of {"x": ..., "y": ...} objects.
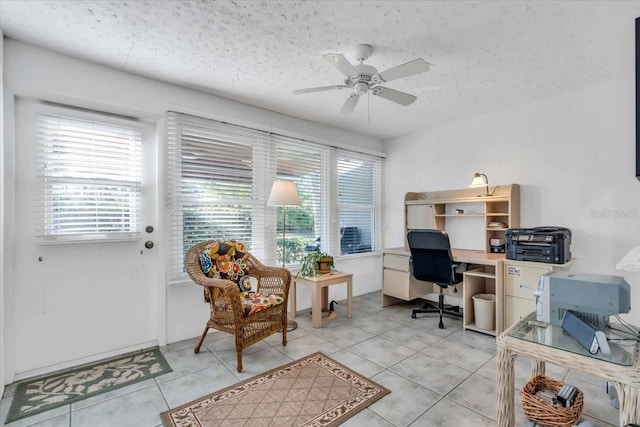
[
  {"x": 396, "y": 262},
  {"x": 395, "y": 283},
  {"x": 522, "y": 281},
  {"x": 516, "y": 309}
]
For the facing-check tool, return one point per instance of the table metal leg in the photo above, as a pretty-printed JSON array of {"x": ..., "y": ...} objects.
[
  {"x": 505, "y": 388},
  {"x": 292, "y": 294}
]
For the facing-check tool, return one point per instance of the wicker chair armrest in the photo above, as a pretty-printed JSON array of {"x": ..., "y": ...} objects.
[
  {"x": 270, "y": 279},
  {"x": 273, "y": 284},
  {"x": 227, "y": 286},
  {"x": 199, "y": 278},
  {"x": 227, "y": 291}
]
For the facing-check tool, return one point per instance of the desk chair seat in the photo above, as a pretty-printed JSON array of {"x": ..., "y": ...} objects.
[{"x": 432, "y": 261}]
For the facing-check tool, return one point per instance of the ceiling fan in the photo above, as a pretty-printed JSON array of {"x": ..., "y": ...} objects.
[{"x": 363, "y": 78}]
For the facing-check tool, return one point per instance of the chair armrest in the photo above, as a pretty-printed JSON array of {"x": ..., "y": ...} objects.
[
  {"x": 220, "y": 290},
  {"x": 272, "y": 280}
]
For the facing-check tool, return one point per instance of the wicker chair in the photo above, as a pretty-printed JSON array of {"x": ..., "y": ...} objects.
[{"x": 227, "y": 312}]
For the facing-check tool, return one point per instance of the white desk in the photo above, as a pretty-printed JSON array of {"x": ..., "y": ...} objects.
[{"x": 485, "y": 277}]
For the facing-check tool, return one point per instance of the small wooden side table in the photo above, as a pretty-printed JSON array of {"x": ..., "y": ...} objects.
[{"x": 320, "y": 293}]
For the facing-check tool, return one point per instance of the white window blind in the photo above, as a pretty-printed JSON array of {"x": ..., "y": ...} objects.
[
  {"x": 359, "y": 177},
  {"x": 301, "y": 163},
  {"x": 213, "y": 193},
  {"x": 88, "y": 179}
]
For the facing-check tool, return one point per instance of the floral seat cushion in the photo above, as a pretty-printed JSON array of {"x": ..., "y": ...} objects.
[{"x": 253, "y": 302}]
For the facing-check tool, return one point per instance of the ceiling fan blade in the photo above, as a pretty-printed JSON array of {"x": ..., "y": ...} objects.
[
  {"x": 394, "y": 95},
  {"x": 350, "y": 104},
  {"x": 341, "y": 63},
  {"x": 318, "y": 89},
  {"x": 407, "y": 69}
]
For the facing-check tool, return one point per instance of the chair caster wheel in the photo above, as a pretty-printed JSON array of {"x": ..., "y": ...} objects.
[
  {"x": 413, "y": 316},
  {"x": 441, "y": 325}
]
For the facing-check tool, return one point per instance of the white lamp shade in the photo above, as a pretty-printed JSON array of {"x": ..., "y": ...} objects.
[
  {"x": 479, "y": 180},
  {"x": 283, "y": 193}
]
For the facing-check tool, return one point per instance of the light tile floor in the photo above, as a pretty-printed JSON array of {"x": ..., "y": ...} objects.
[{"x": 438, "y": 377}]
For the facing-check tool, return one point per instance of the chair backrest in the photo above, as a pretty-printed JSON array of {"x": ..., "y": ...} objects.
[{"x": 431, "y": 256}]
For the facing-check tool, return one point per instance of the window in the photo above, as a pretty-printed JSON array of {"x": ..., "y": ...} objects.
[
  {"x": 301, "y": 163},
  {"x": 358, "y": 190},
  {"x": 220, "y": 177},
  {"x": 88, "y": 176},
  {"x": 214, "y": 192}
]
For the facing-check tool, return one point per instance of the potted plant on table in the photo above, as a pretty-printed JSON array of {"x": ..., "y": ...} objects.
[{"x": 315, "y": 263}]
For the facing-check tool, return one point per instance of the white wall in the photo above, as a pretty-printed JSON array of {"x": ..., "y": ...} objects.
[
  {"x": 2, "y": 207},
  {"x": 35, "y": 73},
  {"x": 574, "y": 157}
]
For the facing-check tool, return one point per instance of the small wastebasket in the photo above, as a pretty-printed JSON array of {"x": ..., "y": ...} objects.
[{"x": 484, "y": 307}]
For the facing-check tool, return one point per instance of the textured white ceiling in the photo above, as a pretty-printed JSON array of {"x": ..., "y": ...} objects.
[{"x": 485, "y": 55}]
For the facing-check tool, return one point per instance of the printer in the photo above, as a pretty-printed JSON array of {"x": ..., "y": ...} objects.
[
  {"x": 551, "y": 245},
  {"x": 591, "y": 297}
]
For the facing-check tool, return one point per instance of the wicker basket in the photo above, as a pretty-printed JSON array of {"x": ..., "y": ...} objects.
[{"x": 545, "y": 413}]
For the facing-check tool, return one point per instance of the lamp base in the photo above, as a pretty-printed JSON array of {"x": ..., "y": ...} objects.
[{"x": 291, "y": 325}]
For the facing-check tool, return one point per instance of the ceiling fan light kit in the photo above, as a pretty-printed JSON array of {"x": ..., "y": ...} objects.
[
  {"x": 363, "y": 79},
  {"x": 362, "y": 52}
]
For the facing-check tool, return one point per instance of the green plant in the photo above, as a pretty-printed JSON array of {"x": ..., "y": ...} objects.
[{"x": 309, "y": 266}]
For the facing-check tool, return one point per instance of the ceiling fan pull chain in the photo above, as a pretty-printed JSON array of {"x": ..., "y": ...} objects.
[{"x": 369, "y": 106}]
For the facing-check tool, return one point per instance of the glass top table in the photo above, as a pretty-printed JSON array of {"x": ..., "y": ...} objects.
[
  {"x": 623, "y": 347},
  {"x": 551, "y": 344}
]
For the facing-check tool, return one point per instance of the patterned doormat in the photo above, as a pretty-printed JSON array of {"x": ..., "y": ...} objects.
[
  {"x": 312, "y": 391},
  {"x": 71, "y": 385}
]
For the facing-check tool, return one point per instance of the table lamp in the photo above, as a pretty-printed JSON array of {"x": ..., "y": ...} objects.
[{"x": 481, "y": 180}]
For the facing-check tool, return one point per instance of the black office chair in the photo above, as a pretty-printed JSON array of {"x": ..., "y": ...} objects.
[{"x": 432, "y": 261}]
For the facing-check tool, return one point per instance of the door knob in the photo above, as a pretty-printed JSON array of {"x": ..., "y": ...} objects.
[{"x": 148, "y": 244}]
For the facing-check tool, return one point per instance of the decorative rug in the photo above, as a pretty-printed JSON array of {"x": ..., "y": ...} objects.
[
  {"x": 71, "y": 385},
  {"x": 312, "y": 391}
]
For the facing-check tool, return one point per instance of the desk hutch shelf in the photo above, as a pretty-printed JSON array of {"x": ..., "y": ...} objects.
[{"x": 498, "y": 212}]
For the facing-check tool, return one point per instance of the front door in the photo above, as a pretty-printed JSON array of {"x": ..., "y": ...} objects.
[{"x": 76, "y": 302}]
